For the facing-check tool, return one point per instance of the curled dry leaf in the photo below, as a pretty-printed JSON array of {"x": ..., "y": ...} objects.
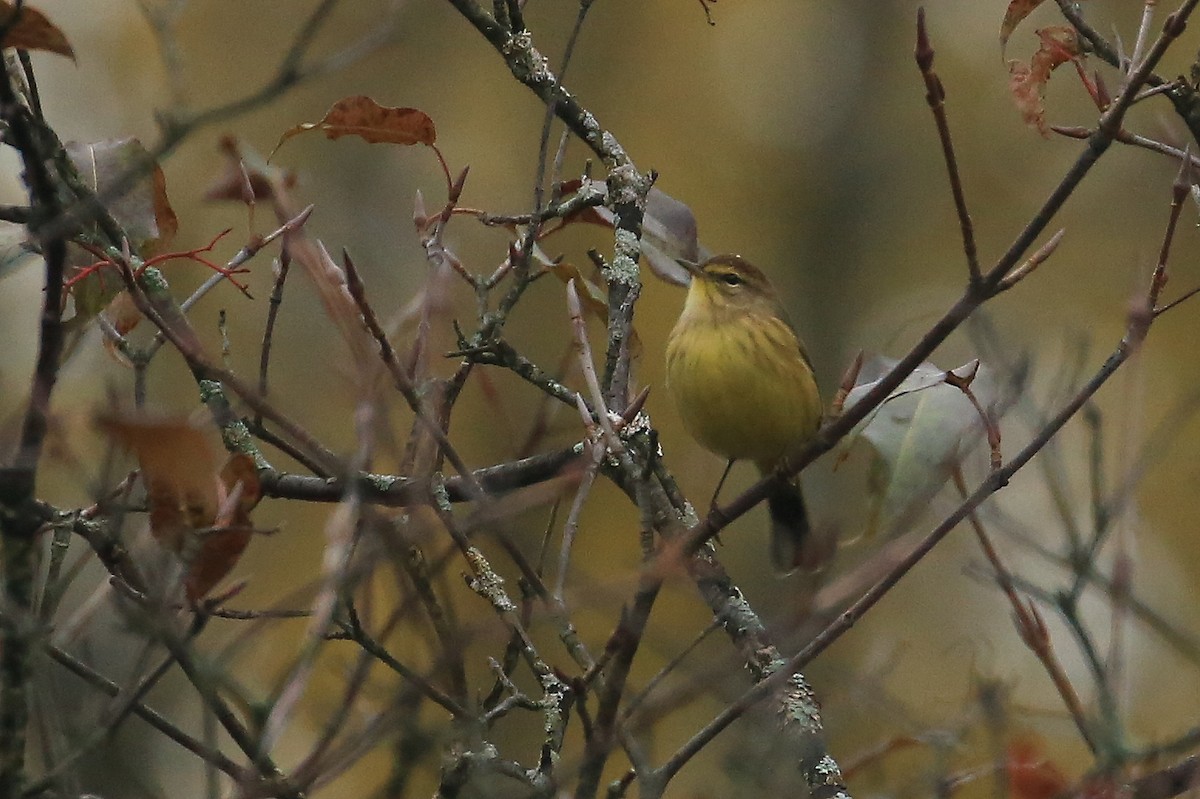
[
  {"x": 1027, "y": 82},
  {"x": 179, "y": 469},
  {"x": 123, "y": 315},
  {"x": 198, "y": 510},
  {"x": 1017, "y": 11},
  {"x": 33, "y": 31},
  {"x": 222, "y": 545},
  {"x": 374, "y": 123},
  {"x": 592, "y": 298},
  {"x": 246, "y": 177}
]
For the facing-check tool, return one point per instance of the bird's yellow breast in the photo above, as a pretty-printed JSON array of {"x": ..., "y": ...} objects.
[{"x": 743, "y": 385}]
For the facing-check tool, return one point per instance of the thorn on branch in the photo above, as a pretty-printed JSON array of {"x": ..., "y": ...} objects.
[
  {"x": 1033, "y": 262},
  {"x": 963, "y": 384},
  {"x": 1073, "y": 132}
]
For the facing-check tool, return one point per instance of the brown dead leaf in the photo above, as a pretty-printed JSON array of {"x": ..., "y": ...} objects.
[
  {"x": 1027, "y": 82},
  {"x": 240, "y": 475},
  {"x": 197, "y": 511},
  {"x": 223, "y": 544},
  {"x": 123, "y": 314},
  {"x": 1031, "y": 775},
  {"x": 593, "y": 298},
  {"x": 246, "y": 177},
  {"x": 164, "y": 214},
  {"x": 374, "y": 123},
  {"x": 33, "y": 31},
  {"x": 179, "y": 469},
  {"x": 144, "y": 211},
  {"x": 1026, "y": 92},
  {"x": 1017, "y": 10}
]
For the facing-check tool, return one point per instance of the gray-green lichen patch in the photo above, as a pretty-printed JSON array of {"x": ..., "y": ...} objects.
[
  {"x": 527, "y": 63},
  {"x": 626, "y": 184},
  {"x": 487, "y": 583},
  {"x": 591, "y": 128},
  {"x": 624, "y": 264},
  {"x": 151, "y": 278},
  {"x": 798, "y": 704},
  {"x": 381, "y": 482}
]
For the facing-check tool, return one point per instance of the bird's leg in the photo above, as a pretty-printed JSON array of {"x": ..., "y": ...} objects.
[{"x": 713, "y": 509}]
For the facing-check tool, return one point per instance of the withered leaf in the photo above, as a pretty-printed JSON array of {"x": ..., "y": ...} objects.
[
  {"x": 196, "y": 510},
  {"x": 144, "y": 211},
  {"x": 123, "y": 314},
  {"x": 246, "y": 177},
  {"x": 179, "y": 469},
  {"x": 1031, "y": 774},
  {"x": 1017, "y": 10},
  {"x": 592, "y": 297},
  {"x": 33, "y": 31},
  {"x": 222, "y": 546},
  {"x": 1027, "y": 82},
  {"x": 374, "y": 123}
]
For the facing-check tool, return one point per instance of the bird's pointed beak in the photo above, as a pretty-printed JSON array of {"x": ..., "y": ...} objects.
[{"x": 692, "y": 267}]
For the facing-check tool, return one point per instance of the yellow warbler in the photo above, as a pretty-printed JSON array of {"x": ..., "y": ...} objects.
[{"x": 744, "y": 384}]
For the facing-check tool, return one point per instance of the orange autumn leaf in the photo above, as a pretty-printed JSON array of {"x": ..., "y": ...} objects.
[
  {"x": 1027, "y": 82},
  {"x": 374, "y": 123},
  {"x": 179, "y": 470},
  {"x": 198, "y": 510},
  {"x": 1017, "y": 10},
  {"x": 123, "y": 314},
  {"x": 222, "y": 545},
  {"x": 33, "y": 31},
  {"x": 1030, "y": 774}
]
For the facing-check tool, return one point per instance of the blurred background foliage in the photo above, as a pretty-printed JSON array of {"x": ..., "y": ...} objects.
[{"x": 798, "y": 133}]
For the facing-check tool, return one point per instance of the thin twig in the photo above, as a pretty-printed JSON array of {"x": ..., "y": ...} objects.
[
  {"x": 151, "y": 717},
  {"x": 935, "y": 97},
  {"x": 1030, "y": 625}
]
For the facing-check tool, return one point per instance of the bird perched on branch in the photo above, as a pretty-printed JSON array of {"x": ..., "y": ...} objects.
[{"x": 744, "y": 384}]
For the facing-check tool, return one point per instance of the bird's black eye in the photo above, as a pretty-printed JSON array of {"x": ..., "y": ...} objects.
[{"x": 732, "y": 279}]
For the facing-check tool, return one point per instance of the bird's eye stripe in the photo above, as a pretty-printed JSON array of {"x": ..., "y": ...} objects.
[{"x": 732, "y": 279}]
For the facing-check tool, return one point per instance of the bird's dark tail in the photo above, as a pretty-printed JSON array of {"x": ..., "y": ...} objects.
[{"x": 789, "y": 525}]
